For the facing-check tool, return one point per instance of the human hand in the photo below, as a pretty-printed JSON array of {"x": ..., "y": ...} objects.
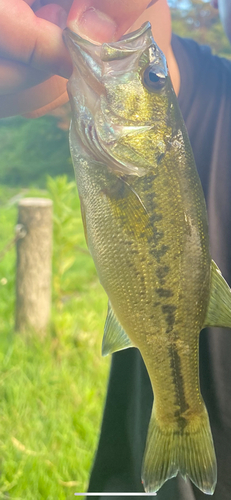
[
  {"x": 34, "y": 62},
  {"x": 32, "y": 52}
]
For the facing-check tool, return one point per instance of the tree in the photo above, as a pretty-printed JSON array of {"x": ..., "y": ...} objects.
[{"x": 198, "y": 20}]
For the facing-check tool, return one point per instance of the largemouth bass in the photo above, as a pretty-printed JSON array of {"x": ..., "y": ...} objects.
[{"x": 145, "y": 223}]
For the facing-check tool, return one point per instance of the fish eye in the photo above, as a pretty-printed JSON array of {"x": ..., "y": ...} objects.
[{"x": 153, "y": 81}]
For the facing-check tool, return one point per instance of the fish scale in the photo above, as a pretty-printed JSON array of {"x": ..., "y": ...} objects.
[
  {"x": 145, "y": 223},
  {"x": 117, "y": 281}
]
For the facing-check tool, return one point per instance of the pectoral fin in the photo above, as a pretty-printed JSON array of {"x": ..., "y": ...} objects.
[
  {"x": 115, "y": 338},
  {"x": 219, "y": 308},
  {"x": 83, "y": 213}
]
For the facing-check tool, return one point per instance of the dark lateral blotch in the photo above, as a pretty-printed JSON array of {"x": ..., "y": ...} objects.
[
  {"x": 159, "y": 253},
  {"x": 164, "y": 292},
  {"x": 169, "y": 310},
  {"x": 161, "y": 273}
]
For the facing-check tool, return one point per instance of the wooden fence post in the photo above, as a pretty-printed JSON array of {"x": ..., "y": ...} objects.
[{"x": 33, "y": 273}]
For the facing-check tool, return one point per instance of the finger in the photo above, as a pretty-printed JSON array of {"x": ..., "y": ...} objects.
[
  {"x": 15, "y": 77},
  {"x": 34, "y": 98},
  {"x": 30, "y": 2},
  {"x": 54, "y": 14},
  {"x": 65, "y": 4},
  {"x": 101, "y": 20},
  {"x": 151, "y": 3},
  {"x": 60, "y": 101},
  {"x": 33, "y": 41}
]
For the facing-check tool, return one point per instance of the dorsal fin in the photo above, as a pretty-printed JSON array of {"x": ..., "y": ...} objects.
[{"x": 219, "y": 308}]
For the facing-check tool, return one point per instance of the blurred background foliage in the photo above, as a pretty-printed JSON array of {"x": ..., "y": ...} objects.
[
  {"x": 197, "y": 19},
  {"x": 52, "y": 389},
  {"x": 32, "y": 149}
]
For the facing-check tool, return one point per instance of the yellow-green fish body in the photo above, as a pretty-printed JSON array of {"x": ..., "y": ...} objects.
[{"x": 145, "y": 222}]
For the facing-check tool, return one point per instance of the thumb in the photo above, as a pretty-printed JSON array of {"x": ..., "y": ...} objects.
[{"x": 104, "y": 21}]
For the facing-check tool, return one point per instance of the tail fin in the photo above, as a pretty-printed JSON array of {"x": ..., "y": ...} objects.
[{"x": 187, "y": 449}]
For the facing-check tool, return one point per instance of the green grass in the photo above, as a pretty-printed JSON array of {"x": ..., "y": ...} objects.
[{"x": 52, "y": 389}]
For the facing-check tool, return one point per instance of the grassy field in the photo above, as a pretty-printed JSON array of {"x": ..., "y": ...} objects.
[{"x": 51, "y": 390}]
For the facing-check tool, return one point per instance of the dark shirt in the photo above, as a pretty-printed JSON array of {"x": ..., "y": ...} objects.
[{"x": 205, "y": 102}]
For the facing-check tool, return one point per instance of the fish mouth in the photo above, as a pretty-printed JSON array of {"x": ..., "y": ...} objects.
[
  {"x": 86, "y": 53},
  {"x": 131, "y": 43}
]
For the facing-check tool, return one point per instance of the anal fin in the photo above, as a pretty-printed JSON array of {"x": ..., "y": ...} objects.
[
  {"x": 219, "y": 308},
  {"x": 115, "y": 338}
]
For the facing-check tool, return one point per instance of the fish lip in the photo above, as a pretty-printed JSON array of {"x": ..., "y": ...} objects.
[
  {"x": 68, "y": 35},
  {"x": 124, "y": 46},
  {"x": 129, "y": 37},
  {"x": 127, "y": 45}
]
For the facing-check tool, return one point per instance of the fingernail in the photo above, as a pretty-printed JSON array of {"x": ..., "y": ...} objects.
[{"x": 95, "y": 25}]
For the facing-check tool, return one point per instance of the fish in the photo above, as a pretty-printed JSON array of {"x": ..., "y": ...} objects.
[{"x": 145, "y": 223}]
